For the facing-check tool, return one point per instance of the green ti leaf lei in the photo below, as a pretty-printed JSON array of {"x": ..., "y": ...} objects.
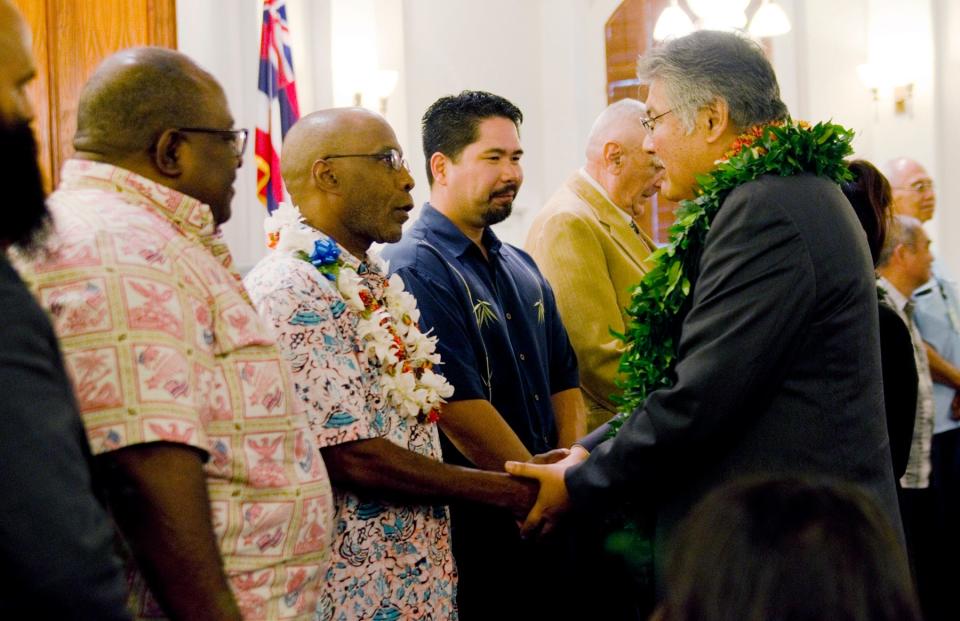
[{"x": 661, "y": 300}]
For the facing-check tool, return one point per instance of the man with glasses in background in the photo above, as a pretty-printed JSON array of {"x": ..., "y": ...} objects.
[
  {"x": 366, "y": 372},
  {"x": 211, "y": 472},
  {"x": 937, "y": 316}
]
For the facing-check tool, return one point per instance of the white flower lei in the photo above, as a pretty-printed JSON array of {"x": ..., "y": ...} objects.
[{"x": 387, "y": 326}]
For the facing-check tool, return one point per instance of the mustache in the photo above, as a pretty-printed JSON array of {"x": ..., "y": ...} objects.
[
  {"x": 657, "y": 162},
  {"x": 509, "y": 188}
]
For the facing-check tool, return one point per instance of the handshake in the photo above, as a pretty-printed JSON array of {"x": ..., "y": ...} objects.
[{"x": 546, "y": 504}]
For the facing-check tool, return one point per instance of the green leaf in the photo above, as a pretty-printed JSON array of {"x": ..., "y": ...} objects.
[{"x": 657, "y": 303}]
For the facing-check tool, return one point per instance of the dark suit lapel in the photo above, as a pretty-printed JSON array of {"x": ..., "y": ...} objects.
[{"x": 637, "y": 247}]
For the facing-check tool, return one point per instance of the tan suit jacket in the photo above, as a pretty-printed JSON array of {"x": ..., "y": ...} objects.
[{"x": 592, "y": 258}]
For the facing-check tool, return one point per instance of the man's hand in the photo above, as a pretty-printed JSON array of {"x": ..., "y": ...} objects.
[
  {"x": 955, "y": 406},
  {"x": 550, "y": 457},
  {"x": 552, "y": 499}
]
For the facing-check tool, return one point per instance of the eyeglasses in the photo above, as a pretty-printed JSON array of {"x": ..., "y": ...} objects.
[
  {"x": 919, "y": 187},
  {"x": 650, "y": 123},
  {"x": 239, "y": 136},
  {"x": 393, "y": 158}
]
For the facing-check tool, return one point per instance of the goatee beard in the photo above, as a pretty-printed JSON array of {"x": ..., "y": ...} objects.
[
  {"x": 498, "y": 212},
  {"x": 27, "y": 221}
]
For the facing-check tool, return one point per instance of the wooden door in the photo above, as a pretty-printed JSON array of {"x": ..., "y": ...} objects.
[{"x": 70, "y": 38}]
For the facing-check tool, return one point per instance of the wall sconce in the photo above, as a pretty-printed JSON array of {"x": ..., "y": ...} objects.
[
  {"x": 381, "y": 84},
  {"x": 769, "y": 20},
  {"x": 673, "y": 22},
  {"x": 892, "y": 79}
]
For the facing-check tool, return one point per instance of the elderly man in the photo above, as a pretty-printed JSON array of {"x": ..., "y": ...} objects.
[
  {"x": 778, "y": 360},
  {"x": 903, "y": 266},
  {"x": 592, "y": 253},
  {"x": 937, "y": 315},
  {"x": 56, "y": 539},
  {"x": 504, "y": 347},
  {"x": 373, "y": 406},
  {"x": 213, "y": 477}
]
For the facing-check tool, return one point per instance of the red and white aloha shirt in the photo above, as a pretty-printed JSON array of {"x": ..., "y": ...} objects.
[{"x": 163, "y": 344}]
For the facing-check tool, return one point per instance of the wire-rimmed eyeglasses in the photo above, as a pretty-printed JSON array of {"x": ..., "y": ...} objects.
[
  {"x": 649, "y": 123},
  {"x": 919, "y": 187},
  {"x": 392, "y": 158},
  {"x": 239, "y": 136}
]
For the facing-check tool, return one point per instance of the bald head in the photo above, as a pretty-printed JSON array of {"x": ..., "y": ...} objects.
[
  {"x": 616, "y": 158},
  {"x": 16, "y": 66},
  {"x": 913, "y": 193},
  {"x": 338, "y": 165},
  {"x": 335, "y": 131},
  {"x": 136, "y": 94},
  {"x": 620, "y": 122}
]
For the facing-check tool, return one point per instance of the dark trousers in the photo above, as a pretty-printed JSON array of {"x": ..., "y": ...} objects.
[
  {"x": 920, "y": 525},
  {"x": 570, "y": 577},
  {"x": 945, "y": 482}
]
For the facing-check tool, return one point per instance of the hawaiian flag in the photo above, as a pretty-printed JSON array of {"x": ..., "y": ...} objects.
[{"x": 279, "y": 108}]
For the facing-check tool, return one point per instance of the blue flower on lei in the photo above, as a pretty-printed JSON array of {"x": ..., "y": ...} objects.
[{"x": 326, "y": 257}]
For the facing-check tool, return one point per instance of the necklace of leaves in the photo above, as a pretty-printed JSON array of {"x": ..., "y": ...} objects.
[{"x": 661, "y": 300}]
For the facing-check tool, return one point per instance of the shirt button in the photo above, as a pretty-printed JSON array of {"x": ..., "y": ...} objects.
[
  {"x": 509, "y": 316},
  {"x": 536, "y": 397},
  {"x": 522, "y": 357}
]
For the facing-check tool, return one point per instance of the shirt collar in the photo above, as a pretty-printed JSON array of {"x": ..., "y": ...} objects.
[
  {"x": 188, "y": 215},
  {"x": 897, "y": 298},
  {"x": 448, "y": 236},
  {"x": 599, "y": 188}
]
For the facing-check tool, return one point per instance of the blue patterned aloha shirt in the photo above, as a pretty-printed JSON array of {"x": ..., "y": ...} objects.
[{"x": 389, "y": 561}]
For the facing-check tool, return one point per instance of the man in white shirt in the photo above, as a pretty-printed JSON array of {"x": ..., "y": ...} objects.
[{"x": 903, "y": 266}]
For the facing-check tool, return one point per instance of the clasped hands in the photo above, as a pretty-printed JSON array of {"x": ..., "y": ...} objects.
[{"x": 553, "y": 501}]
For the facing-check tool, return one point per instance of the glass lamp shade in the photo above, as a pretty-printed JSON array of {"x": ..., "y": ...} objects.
[
  {"x": 769, "y": 21},
  {"x": 673, "y": 22}
]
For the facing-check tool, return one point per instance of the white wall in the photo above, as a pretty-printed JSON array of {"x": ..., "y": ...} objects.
[
  {"x": 223, "y": 36},
  {"x": 547, "y": 56},
  {"x": 946, "y": 15},
  {"x": 454, "y": 45}
]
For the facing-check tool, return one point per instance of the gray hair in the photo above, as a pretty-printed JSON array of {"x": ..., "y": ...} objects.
[
  {"x": 708, "y": 65},
  {"x": 902, "y": 232}
]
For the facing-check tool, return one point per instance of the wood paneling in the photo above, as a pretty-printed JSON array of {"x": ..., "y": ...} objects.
[{"x": 72, "y": 37}]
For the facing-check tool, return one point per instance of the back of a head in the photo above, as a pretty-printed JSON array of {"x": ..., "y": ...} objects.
[
  {"x": 620, "y": 120},
  {"x": 788, "y": 549},
  {"x": 450, "y": 124},
  {"x": 870, "y": 194},
  {"x": 134, "y": 95},
  {"x": 708, "y": 64},
  {"x": 902, "y": 231}
]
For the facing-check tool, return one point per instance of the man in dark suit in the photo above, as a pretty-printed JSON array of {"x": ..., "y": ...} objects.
[{"x": 779, "y": 362}]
